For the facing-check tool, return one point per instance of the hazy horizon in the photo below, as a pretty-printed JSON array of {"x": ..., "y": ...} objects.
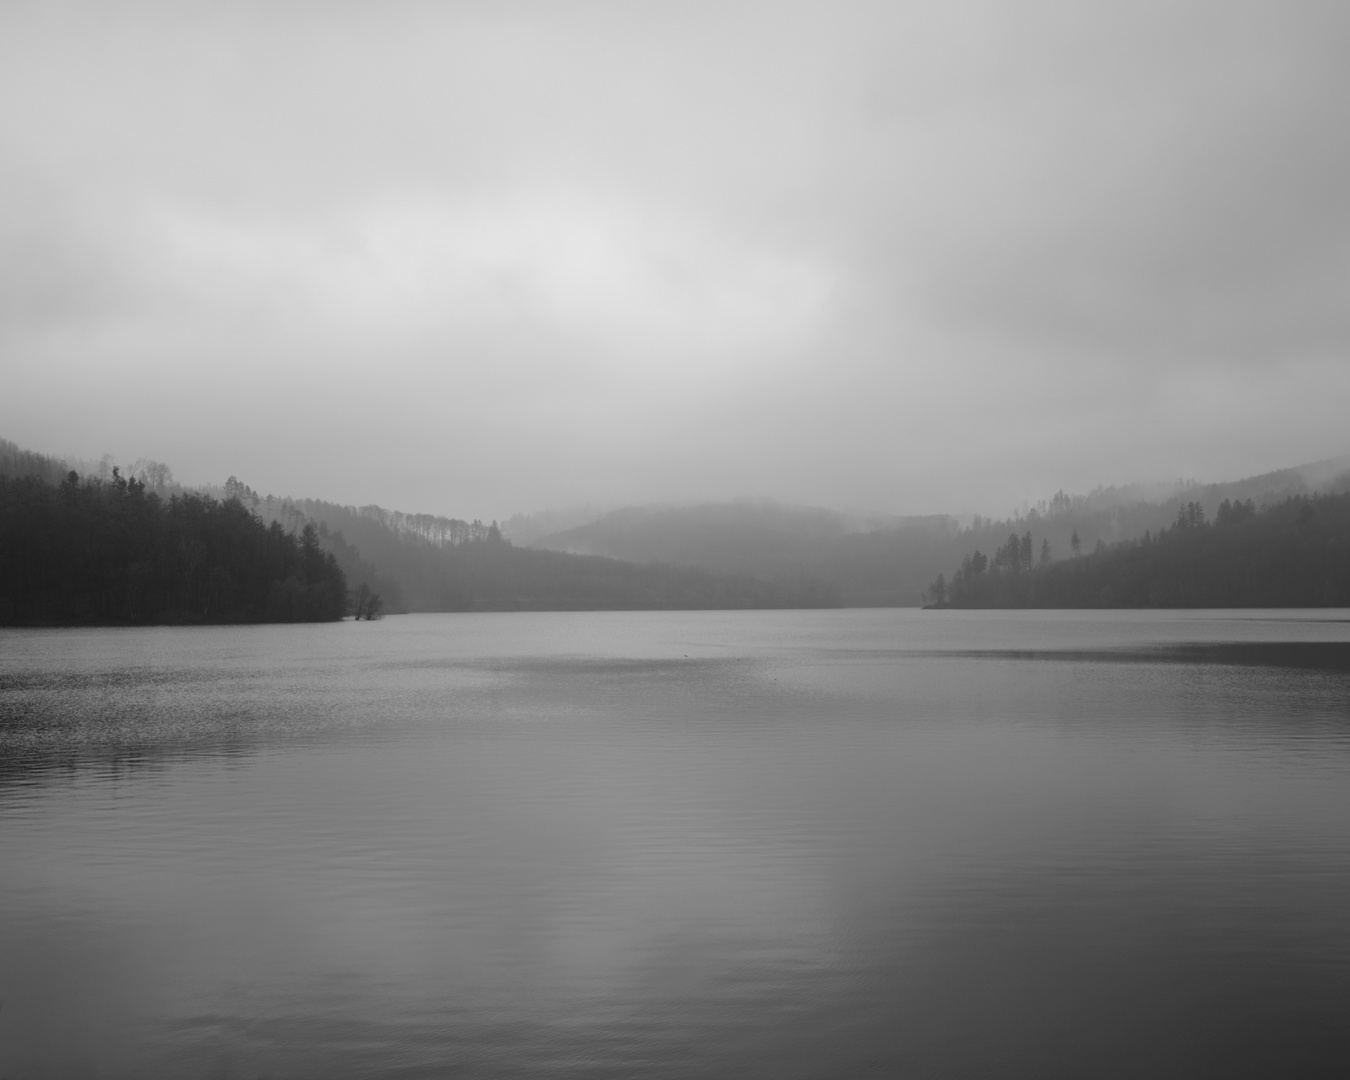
[
  {"x": 556, "y": 518},
  {"x": 496, "y": 259}
]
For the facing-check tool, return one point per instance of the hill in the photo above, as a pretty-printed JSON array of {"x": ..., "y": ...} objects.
[
  {"x": 744, "y": 536},
  {"x": 431, "y": 563},
  {"x": 730, "y": 554},
  {"x": 86, "y": 551},
  {"x": 865, "y": 558},
  {"x": 428, "y": 562},
  {"x": 414, "y": 562},
  {"x": 876, "y": 560},
  {"x": 1293, "y": 553}
]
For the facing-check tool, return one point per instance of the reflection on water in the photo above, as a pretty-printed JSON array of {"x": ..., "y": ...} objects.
[{"x": 762, "y": 844}]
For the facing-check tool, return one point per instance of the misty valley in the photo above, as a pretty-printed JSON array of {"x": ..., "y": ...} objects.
[{"x": 102, "y": 548}]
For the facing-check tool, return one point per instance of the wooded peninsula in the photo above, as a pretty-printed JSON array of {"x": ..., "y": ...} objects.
[
  {"x": 91, "y": 552},
  {"x": 1295, "y": 553}
]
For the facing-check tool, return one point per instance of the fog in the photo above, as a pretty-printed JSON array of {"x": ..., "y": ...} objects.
[{"x": 486, "y": 258}]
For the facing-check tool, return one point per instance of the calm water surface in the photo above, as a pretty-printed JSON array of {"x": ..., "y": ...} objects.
[{"x": 768, "y": 844}]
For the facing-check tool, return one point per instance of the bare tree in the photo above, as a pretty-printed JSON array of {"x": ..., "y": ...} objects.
[
  {"x": 366, "y": 604},
  {"x": 154, "y": 473}
]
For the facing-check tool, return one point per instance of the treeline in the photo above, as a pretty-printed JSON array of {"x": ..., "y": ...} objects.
[
  {"x": 424, "y": 565},
  {"x": 1295, "y": 553},
  {"x": 15, "y": 461},
  {"x": 485, "y": 572},
  {"x": 891, "y": 561},
  {"x": 433, "y": 529},
  {"x": 745, "y": 554},
  {"x": 114, "y": 550},
  {"x": 294, "y": 515},
  {"x": 90, "y": 551}
]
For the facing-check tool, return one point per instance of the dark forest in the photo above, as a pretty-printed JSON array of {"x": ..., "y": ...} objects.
[
  {"x": 140, "y": 548},
  {"x": 124, "y": 550},
  {"x": 95, "y": 552},
  {"x": 1295, "y": 553}
]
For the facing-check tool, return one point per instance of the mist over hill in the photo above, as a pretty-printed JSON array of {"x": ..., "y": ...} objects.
[
  {"x": 881, "y": 560},
  {"x": 414, "y": 562},
  {"x": 732, "y": 536},
  {"x": 1291, "y": 553},
  {"x": 743, "y": 553},
  {"x": 429, "y": 562},
  {"x": 525, "y": 529}
]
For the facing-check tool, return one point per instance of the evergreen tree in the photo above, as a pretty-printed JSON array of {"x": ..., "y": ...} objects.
[{"x": 110, "y": 552}]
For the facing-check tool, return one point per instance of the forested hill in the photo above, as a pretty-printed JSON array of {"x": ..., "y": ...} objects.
[
  {"x": 1295, "y": 553},
  {"x": 431, "y": 563},
  {"x": 865, "y": 559},
  {"x": 127, "y": 565},
  {"x": 89, "y": 551},
  {"x": 743, "y": 554},
  {"x": 885, "y": 560}
]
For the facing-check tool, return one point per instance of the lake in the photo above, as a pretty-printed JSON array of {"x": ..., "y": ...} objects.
[{"x": 692, "y": 844}]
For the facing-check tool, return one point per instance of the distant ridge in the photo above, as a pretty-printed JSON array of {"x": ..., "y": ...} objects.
[
  {"x": 1290, "y": 553},
  {"x": 416, "y": 562},
  {"x": 883, "y": 560},
  {"x": 723, "y": 535},
  {"x": 740, "y": 553}
]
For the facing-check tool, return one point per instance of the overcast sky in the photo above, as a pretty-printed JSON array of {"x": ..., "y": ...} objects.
[{"x": 482, "y": 258}]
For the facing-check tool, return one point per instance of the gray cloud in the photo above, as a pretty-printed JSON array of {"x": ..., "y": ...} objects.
[{"x": 493, "y": 257}]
